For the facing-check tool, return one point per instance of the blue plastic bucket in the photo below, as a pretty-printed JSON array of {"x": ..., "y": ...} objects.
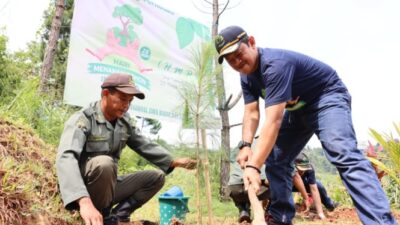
[
  {"x": 172, "y": 207},
  {"x": 174, "y": 191}
]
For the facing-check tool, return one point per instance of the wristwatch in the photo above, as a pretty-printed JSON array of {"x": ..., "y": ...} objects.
[{"x": 243, "y": 144}]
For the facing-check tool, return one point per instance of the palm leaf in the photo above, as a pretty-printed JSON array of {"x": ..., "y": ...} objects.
[
  {"x": 383, "y": 167},
  {"x": 391, "y": 148}
]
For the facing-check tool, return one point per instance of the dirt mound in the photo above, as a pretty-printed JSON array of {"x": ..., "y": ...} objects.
[
  {"x": 28, "y": 188},
  {"x": 341, "y": 215}
]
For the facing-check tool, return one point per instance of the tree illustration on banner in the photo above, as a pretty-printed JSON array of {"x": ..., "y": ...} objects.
[{"x": 123, "y": 42}]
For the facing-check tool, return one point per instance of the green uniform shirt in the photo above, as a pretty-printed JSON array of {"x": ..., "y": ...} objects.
[{"x": 87, "y": 134}]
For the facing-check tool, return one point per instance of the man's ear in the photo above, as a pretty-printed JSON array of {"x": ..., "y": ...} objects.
[{"x": 252, "y": 41}]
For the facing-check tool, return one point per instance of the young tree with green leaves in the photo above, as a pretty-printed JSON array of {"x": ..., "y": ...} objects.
[
  {"x": 199, "y": 103},
  {"x": 225, "y": 104}
]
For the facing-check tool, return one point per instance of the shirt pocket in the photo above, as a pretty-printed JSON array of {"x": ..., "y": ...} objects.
[
  {"x": 123, "y": 139},
  {"x": 100, "y": 146}
]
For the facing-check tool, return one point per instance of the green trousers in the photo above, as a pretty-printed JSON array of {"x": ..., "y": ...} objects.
[{"x": 107, "y": 189}]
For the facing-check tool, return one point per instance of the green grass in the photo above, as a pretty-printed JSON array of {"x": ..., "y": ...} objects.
[
  {"x": 186, "y": 180},
  {"x": 226, "y": 212},
  {"x": 334, "y": 186},
  {"x": 223, "y": 212}
]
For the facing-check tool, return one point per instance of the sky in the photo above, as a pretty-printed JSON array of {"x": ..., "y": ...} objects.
[
  {"x": 360, "y": 39},
  {"x": 21, "y": 23}
]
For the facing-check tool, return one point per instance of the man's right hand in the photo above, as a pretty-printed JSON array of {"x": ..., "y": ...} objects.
[
  {"x": 307, "y": 204},
  {"x": 89, "y": 213},
  {"x": 252, "y": 179},
  {"x": 243, "y": 156},
  {"x": 186, "y": 163}
]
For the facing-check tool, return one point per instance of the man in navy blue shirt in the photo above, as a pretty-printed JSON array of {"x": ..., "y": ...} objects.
[{"x": 303, "y": 96}]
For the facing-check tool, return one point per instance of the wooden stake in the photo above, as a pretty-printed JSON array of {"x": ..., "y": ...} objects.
[{"x": 259, "y": 215}]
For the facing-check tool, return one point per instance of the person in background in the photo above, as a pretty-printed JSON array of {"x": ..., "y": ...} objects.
[
  {"x": 88, "y": 154},
  {"x": 305, "y": 171},
  {"x": 302, "y": 97},
  {"x": 238, "y": 193},
  {"x": 298, "y": 185}
]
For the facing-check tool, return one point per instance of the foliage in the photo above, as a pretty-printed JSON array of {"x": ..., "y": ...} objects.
[
  {"x": 335, "y": 189},
  {"x": 130, "y": 162},
  {"x": 389, "y": 161},
  {"x": 319, "y": 161},
  {"x": 198, "y": 97},
  {"x": 199, "y": 105},
  {"x": 391, "y": 146},
  {"x": 40, "y": 112},
  {"x": 153, "y": 125},
  {"x": 392, "y": 190},
  {"x": 185, "y": 179},
  {"x": 10, "y": 72}
]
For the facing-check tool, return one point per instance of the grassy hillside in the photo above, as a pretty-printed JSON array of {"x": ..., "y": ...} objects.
[{"x": 28, "y": 188}]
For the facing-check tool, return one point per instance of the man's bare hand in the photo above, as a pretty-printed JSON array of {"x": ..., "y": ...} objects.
[
  {"x": 251, "y": 179},
  {"x": 186, "y": 163},
  {"x": 89, "y": 213},
  {"x": 243, "y": 156},
  {"x": 306, "y": 204}
]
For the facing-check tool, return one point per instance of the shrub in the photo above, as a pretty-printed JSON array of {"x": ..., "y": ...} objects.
[{"x": 40, "y": 112}]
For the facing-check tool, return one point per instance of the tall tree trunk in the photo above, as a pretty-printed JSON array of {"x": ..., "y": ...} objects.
[
  {"x": 51, "y": 46},
  {"x": 225, "y": 131}
]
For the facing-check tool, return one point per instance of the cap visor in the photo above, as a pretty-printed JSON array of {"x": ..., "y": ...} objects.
[
  {"x": 131, "y": 91},
  {"x": 227, "y": 51},
  {"x": 303, "y": 168}
]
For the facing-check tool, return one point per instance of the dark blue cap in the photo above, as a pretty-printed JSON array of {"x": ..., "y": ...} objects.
[{"x": 228, "y": 41}]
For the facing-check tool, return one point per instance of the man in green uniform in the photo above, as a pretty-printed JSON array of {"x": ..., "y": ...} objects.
[{"x": 88, "y": 154}]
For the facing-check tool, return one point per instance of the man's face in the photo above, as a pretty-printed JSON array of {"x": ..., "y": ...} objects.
[
  {"x": 245, "y": 58},
  {"x": 117, "y": 103}
]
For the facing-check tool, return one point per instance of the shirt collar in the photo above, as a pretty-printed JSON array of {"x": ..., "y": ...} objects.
[{"x": 100, "y": 116}]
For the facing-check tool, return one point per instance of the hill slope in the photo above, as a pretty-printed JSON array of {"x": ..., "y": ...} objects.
[{"x": 28, "y": 188}]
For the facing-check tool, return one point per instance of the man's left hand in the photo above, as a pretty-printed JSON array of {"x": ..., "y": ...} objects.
[
  {"x": 252, "y": 179},
  {"x": 186, "y": 163}
]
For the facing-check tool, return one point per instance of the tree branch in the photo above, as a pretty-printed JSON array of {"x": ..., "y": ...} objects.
[
  {"x": 235, "y": 125},
  {"x": 230, "y": 106},
  {"x": 226, "y": 5}
]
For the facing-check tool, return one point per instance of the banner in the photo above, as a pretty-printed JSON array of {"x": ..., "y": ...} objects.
[{"x": 137, "y": 37}]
